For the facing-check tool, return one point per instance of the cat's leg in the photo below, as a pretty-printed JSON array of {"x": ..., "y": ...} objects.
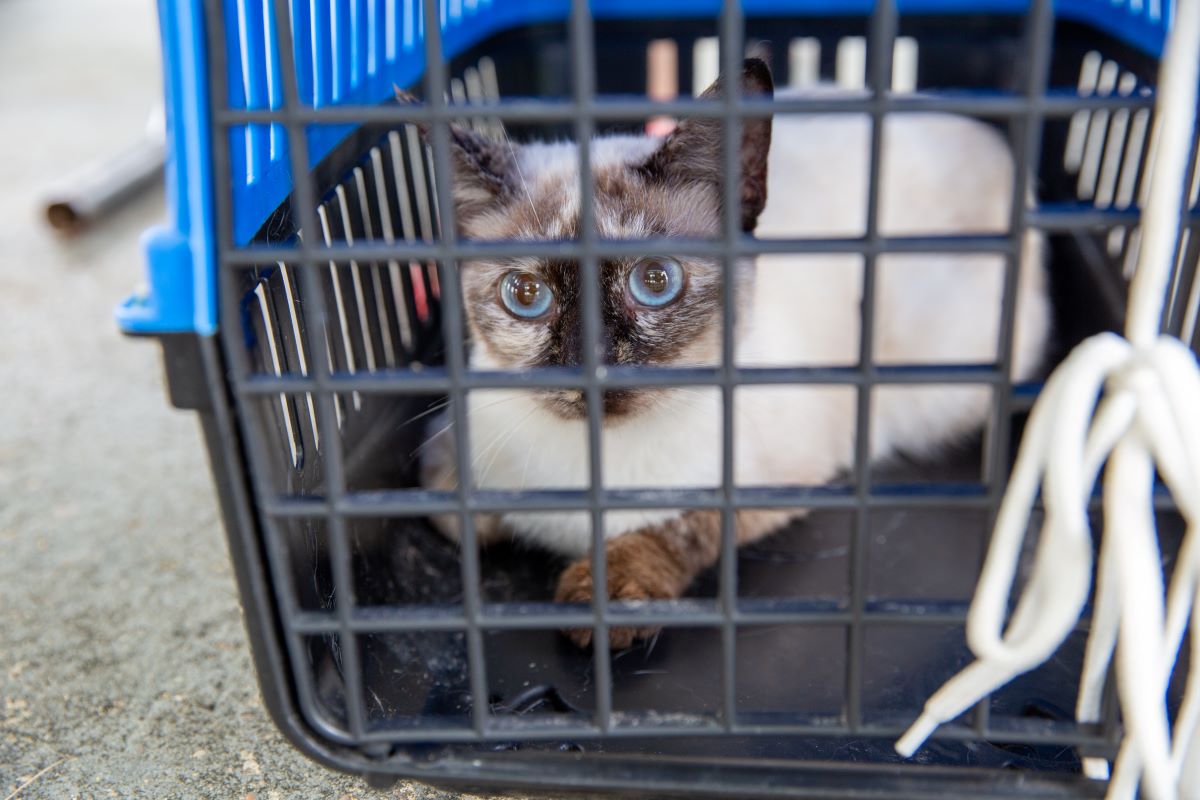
[
  {"x": 439, "y": 472},
  {"x": 659, "y": 562}
]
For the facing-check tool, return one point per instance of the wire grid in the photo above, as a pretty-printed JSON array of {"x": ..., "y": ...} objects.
[{"x": 338, "y": 505}]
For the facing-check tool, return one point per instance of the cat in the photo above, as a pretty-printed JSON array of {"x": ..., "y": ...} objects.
[{"x": 940, "y": 175}]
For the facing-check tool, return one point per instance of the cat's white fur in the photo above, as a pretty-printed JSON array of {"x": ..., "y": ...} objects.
[{"x": 941, "y": 175}]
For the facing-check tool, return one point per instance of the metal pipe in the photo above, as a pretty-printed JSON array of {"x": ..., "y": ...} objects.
[{"x": 100, "y": 188}]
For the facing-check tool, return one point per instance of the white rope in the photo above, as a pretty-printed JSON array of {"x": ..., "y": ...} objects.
[{"x": 1130, "y": 406}]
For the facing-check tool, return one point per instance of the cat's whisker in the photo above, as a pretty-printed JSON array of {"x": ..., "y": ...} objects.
[
  {"x": 681, "y": 399},
  {"x": 502, "y": 435},
  {"x": 487, "y": 448},
  {"x": 432, "y": 438},
  {"x": 450, "y": 424},
  {"x": 521, "y": 176},
  {"x": 525, "y": 469},
  {"x": 652, "y": 643},
  {"x": 494, "y": 403},
  {"x": 436, "y": 407},
  {"x": 487, "y": 469},
  {"x": 497, "y": 447}
]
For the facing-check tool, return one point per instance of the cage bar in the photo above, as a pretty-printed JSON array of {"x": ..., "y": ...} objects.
[
  {"x": 732, "y": 27},
  {"x": 316, "y": 314},
  {"x": 582, "y": 75},
  {"x": 435, "y": 89},
  {"x": 883, "y": 27},
  {"x": 987, "y": 105},
  {"x": 1039, "y": 36}
]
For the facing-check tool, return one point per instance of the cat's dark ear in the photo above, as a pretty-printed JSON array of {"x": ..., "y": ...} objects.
[
  {"x": 483, "y": 169},
  {"x": 484, "y": 172},
  {"x": 692, "y": 153}
]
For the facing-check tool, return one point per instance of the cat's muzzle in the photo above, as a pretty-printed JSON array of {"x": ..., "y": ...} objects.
[{"x": 572, "y": 403}]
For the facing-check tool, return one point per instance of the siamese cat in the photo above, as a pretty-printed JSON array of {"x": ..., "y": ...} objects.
[{"x": 802, "y": 176}]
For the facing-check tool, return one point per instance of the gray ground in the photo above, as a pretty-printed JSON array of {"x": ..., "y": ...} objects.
[{"x": 124, "y": 670}]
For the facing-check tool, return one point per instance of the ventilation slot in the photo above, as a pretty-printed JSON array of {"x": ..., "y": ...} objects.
[
  {"x": 850, "y": 71},
  {"x": 287, "y": 406},
  {"x": 804, "y": 62},
  {"x": 850, "y": 63},
  {"x": 378, "y": 313}
]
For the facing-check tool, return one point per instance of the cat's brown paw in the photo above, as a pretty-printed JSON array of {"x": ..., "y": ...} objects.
[{"x": 631, "y": 576}]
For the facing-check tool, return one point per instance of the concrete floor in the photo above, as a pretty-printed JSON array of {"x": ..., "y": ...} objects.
[{"x": 124, "y": 670}]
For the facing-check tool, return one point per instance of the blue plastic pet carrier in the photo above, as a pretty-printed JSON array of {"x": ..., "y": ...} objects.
[{"x": 307, "y": 300}]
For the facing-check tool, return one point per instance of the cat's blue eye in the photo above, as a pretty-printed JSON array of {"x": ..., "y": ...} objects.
[
  {"x": 525, "y": 295},
  {"x": 656, "y": 281}
]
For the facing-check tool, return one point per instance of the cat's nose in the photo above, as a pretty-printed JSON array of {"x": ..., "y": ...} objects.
[
  {"x": 572, "y": 404},
  {"x": 619, "y": 401}
]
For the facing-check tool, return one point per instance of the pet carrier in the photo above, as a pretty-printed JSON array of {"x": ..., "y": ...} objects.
[{"x": 308, "y": 304}]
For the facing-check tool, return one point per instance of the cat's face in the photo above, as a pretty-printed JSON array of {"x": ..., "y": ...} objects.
[{"x": 657, "y": 308}]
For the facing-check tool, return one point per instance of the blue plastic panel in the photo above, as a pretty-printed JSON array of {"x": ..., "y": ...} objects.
[
  {"x": 357, "y": 51},
  {"x": 353, "y": 52},
  {"x": 180, "y": 290}
]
